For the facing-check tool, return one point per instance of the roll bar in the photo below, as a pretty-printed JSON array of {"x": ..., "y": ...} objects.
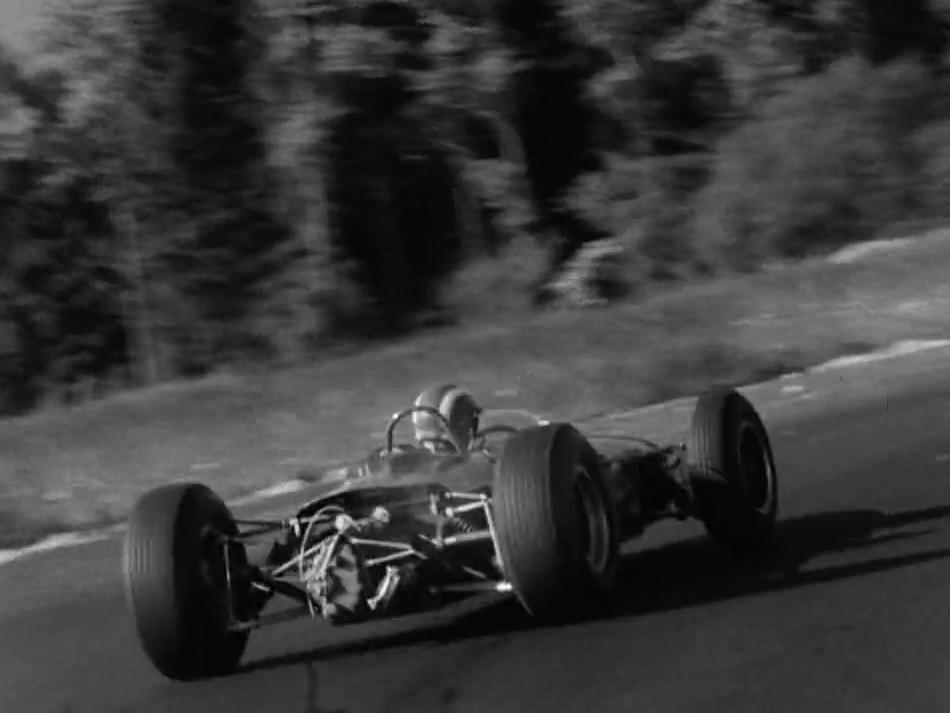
[{"x": 398, "y": 417}]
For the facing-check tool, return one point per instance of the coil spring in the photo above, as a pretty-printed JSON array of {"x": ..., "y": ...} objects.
[{"x": 460, "y": 524}]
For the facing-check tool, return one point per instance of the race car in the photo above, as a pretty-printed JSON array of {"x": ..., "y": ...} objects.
[{"x": 476, "y": 500}]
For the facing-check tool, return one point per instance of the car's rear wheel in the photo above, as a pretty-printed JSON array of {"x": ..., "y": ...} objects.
[
  {"x": 176, "y": 581},
  {"x": 555, "y": 521},
  {"x": 733, "y": 472}
]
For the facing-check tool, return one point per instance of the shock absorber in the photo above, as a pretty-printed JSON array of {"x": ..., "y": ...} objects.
[{"x": 460, "y": 524}]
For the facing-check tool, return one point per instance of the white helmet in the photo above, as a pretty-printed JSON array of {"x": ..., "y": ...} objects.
[{"x": 458, "y": 408}]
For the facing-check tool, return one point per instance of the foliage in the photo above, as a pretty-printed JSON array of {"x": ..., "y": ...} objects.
[
  {"x": 793, "y": 180},
  {"x": 185, "y": 184},
  {"x": 497, "y": 285}
]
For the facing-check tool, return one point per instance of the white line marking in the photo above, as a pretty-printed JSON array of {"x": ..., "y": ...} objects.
[
  {"x": 288, "y": 486},
  {"x": 54, "y": 542},
  {"x": 204, "y": 466},
  {"x": 854, "y": 253},
  {"x": 675, "y": 404},
  {"x": 909, "y": 346}
]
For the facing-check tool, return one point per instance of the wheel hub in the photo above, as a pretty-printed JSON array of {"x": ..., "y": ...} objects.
[
  {"x": 756, "y": 468},
  {"x": 593, "y": 524}
]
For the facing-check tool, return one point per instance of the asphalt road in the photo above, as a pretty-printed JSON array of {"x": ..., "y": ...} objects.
[{"x": 853, "y": 615}]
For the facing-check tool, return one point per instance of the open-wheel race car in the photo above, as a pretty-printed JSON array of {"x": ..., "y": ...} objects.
[{"x": 477, "y": 500}]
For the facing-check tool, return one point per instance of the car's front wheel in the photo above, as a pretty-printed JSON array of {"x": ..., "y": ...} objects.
[
  {"x": 555, "y": 521},
  {"x": 177, "y": 582}
]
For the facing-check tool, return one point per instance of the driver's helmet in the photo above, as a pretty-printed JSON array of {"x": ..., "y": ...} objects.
[{"x": 458, "y": 408}]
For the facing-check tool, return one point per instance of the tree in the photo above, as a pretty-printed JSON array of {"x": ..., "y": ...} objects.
[
  {"x": 61, "y": 285},
  {"x": 235, "y": 248},
  {"x": 108, "y": 114},
  {"x": 388, "y": 188}
]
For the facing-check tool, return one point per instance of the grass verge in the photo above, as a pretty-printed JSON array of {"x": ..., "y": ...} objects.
[{"x": 84, "y": 467}]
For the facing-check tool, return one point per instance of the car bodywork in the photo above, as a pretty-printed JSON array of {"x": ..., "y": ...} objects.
[
  {"x": 431, "y": 512},
  {"x": 529, "y": 507}
]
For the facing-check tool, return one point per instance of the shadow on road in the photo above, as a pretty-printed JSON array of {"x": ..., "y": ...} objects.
[
  {"x": 688, "y": 573},
  {"x": 696, "y": 571}
]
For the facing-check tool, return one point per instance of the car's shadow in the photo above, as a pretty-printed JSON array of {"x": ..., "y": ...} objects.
[{"x": 685, "y": 573}]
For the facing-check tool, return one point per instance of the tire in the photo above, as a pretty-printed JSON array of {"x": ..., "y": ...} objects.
[
  {"x": 555, "y": 521},
  {"x": 733, "y": 472},
  {"x": 175, "y": 583}
]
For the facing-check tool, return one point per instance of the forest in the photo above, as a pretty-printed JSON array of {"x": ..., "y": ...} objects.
[{"x": 186, "y": 185}]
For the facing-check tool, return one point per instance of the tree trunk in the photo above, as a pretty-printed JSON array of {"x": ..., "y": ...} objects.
[{"x": 139, "y": 318}]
